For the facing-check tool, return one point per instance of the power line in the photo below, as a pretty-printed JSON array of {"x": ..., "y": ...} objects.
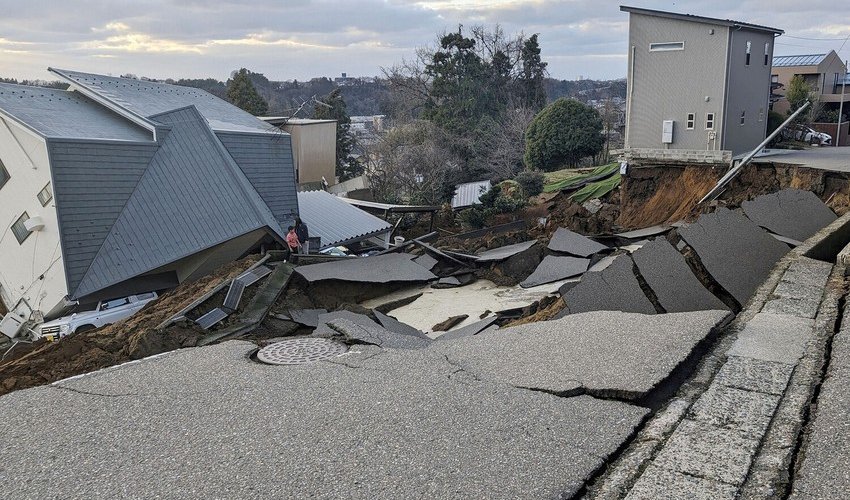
[{"x": 818, "y": 39}]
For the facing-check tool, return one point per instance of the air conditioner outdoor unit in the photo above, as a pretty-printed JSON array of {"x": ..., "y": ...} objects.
[
  {"x": 11, "y": 325},
  {"x": 34, "y": 223}
]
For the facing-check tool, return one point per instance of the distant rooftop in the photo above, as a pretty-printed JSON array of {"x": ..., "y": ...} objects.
[
  {"x": 699, "y": 19},
  {"x": 146, "y": 98},
  {"x": 60, "y": 113},
  {"x": 799, "y": 60}
]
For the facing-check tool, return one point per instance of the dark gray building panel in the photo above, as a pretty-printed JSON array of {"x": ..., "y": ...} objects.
[
  {"x": 85, "y": 214},
  {"x": 191, "y": 197},
  {"x": 266, "y": 160}
]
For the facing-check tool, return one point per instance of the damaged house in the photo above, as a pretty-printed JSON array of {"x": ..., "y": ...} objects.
[{"x": 118, "y": 186}]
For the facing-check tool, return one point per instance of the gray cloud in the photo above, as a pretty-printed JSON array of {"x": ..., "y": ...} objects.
[{"x": 305, "y": 38}]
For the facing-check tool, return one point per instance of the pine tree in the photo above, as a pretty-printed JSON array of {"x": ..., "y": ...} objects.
[
  {"x": 241, "y": 92},
  {"x": 533, "y": 77}
]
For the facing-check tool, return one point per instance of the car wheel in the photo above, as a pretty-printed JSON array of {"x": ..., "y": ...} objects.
[{"x": 85, "y": 328}]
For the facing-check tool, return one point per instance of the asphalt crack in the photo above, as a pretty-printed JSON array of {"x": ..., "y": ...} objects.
[{"x": 90, "y": 393}]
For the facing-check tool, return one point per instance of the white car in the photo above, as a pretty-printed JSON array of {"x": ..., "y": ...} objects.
[
  {"x": 106, "y": 313},
  {"x": 811, "y": 136}
]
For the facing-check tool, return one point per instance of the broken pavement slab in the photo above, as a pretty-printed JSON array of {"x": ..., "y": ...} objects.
[
  {"x": 672, "y": 281},
  {"x": 394, "y": 325},
  {"x": 555, "y": 268},
  {"x": 609, "y": 354},
  {"x": 386, "y": 268},
  {"x": 376, "y": 335},
  {"x": 615, "y": 288},
  {"x": 792, "y": 213},
  {"x": 323, "y": 330},
  {"x": 469, "y": 330},
  {"x": 566, "y": 241},
  {"x": 426, "y": 261},
  {"x": 505, "y": 252},
  {"x": 736, "y": 252},
  {"x": 456, "y": 437},
  {"x": 307, "y": 317}
]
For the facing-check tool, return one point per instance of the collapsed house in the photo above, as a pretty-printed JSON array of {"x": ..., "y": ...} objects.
[{"x": 118, "y": 186}]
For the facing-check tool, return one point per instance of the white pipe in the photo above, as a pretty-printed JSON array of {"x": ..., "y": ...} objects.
[{"x": 841, "y": 108}]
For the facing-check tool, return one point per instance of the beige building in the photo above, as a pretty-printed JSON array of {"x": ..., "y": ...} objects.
[
  {"x": 313, "y": 148},
  {"x": 696, "y": 83},
  {"x": 823, "y": 72}
]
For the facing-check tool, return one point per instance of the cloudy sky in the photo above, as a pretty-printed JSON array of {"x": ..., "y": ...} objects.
[{"x": 286, "y": 39}]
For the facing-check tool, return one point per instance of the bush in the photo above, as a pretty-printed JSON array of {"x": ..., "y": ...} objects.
[
  {"x": 531, "y": 182},
  {"x": 562, "y": 134}
]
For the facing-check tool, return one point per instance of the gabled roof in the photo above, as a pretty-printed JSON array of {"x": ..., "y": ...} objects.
[
  {"x": 799, "y": 60},
  {"x": 190, "y": 197},
  {"x": 699, "y": 19},
  {"x": 146, "y": 99},
  {"x": 60, "y": 113},
  {"x": 335, "y": 221}
]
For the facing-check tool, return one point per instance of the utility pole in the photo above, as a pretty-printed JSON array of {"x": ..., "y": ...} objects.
[{"x": 841, "y": 107}]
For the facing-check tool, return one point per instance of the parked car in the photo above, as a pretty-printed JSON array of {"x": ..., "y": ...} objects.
[
  {"x": 807, "y": 134},
  {"x": 106, "y": 313}
]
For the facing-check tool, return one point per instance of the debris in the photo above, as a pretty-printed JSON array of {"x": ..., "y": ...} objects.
[
  {"x": 566, "y": 241},
  {"x": 593, "y": 205},
  {"x": 555, "y": 268},
  {"x": 598, "y": 189},
  {"x": 376, "y": 269},
  {"x": 505, "y": 252},
  {"x": 386, "y": 307},
  {"x": 668, "y": 275},
  {"x": 601, "y": 264},
  {"x": 307, "y": 317},
  {"x": 426, "y": 261},
  {"x": 734, "y": 251},
  {"x": 397, "y": 326},
  {"x": 449, "y": 323},
  {"x": 469, "y": 330},
  {"x": 792, "y": 213},
  {"x": 371, "y": 333},
  {"x": 447, "y": 282},
  {"x": 646, "y": 232},
  {"x": 613, "y": 289}
]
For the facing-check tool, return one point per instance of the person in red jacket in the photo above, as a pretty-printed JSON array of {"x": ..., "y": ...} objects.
[{"x": 292, "y": 242}]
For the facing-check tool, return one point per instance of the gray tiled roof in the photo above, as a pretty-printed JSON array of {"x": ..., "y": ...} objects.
[
  {"x": 800, "y": 60},
  {"x": 191, "y": 197},
  {"x": 336, "y": 221},
  {"x": 146, "y": 98},
  {"x": 60, "y": 113}
]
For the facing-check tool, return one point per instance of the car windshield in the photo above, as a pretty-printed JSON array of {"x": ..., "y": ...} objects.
[{"x": 112, "y": 304}]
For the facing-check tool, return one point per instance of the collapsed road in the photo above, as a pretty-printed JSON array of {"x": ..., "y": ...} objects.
[{"x": 358, "y": 395}]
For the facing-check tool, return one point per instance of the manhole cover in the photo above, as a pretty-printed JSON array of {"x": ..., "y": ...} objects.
[{"x": 300, "y": 351}]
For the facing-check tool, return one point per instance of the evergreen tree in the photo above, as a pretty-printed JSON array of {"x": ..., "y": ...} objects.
[
  {"x": 533, "y": 77},
  {"x": 241, "y": 92},
  {"x": 333, "y": 107},
  {"x": 562, "y": 134}
]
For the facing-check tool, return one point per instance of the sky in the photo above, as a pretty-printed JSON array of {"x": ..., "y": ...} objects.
[{"x": 301, "y": 39}]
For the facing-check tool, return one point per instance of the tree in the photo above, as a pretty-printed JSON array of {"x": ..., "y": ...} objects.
[
  {"x": 241, "y": 92},
  {"x": 333, "y": 107},
  {"x": 799, "y": 92},
  {"x": 562, "y": 134},
  {"x": 533, "y": 79}
]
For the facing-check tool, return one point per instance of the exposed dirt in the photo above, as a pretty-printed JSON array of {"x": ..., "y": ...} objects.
[
  {"x": 545, "y": 310},
  {"x": 660, "y": 195},
  {"x": 136, "y": 337}
]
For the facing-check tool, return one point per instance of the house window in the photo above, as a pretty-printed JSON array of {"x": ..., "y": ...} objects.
[
  {"x": 774, "y": 78},
  {"x": 749, "y": 49},
  {"x": 691, "y": 119},
  {"x": 45, "y": 195},
  {"x": 4, "y": 174},
  {"x": 766, "y": 53},
  {"x": 664, "y": 46},
  {"x": 709, "y": 121},
  {"x": 761, "y": 114},
  {"x": 19, "y": 230},
  {"x": 743, "y": 116}
]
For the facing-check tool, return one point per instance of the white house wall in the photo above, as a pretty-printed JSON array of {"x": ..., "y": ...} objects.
[{"x": 32, "y": 276}]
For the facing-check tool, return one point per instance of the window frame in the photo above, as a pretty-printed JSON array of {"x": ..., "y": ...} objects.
[
  {"x": 766, "y": 53},
  {"x": 743, "y": 117},
  {"x": 761, "y": 115},
  {"x": 691, "y": 121},
  {"x": 21, "y": 220},
  {"x": 709, "y": 118},
  {"x": 4, "y": 175},
  {"x": 49, "y": 192},
  {"x": 666, "y": 46},
  {"x": 749, "y": 51}
]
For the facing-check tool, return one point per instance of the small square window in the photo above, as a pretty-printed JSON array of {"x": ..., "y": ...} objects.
[
  {"x": 709, "y": 121},
  {"x": 743, "y": 117},
  {"x": 4, "y": 174},
  {"x": 45, "y": 195},
  {"x": 19, "y": 229},
  {"x": 774, "y": 78},
  {"x": 691, "y": 119}
]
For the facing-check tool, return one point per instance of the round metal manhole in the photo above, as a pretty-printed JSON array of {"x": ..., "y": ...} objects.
[{"x": 300, "y": 351}]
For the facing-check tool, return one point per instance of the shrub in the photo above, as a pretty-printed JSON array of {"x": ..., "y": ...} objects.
[
  {"x": 562, "y": 134},
  {"x": 531, "y": 182}
]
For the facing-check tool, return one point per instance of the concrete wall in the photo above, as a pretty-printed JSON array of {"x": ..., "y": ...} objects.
[
  {"x": 670, "y": 84},
  {"x": 314, "y": 150},
  {"x": 748, "y": 90},
  {"x": 31, "y": 271}
]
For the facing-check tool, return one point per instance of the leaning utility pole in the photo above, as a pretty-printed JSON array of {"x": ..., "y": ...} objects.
[{"x": 841, "y": 107}]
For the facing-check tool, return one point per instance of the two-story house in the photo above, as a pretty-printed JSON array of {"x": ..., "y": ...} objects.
[{"x": 696, "y": 83}]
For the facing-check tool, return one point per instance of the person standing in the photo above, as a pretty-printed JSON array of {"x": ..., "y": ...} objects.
[
  {"x": 303, "y": 235},
  {"x": 292, "y": 243}
]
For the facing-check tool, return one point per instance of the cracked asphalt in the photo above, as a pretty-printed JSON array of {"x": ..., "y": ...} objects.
[{"x": 375, "y": 422}]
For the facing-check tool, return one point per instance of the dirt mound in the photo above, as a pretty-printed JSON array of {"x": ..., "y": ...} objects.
[{"x": 134, "y": 338}]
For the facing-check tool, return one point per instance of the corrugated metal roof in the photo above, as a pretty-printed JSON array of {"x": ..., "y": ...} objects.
[
  {"x": 799, "y": 60},
  {"x": 60, "y": 113},
  {"x": 468, "y": 194},
  {"x": 146, "y": 98},
  {"x": 192, "y": 196},
  {"x": 336, "y": 221}
]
